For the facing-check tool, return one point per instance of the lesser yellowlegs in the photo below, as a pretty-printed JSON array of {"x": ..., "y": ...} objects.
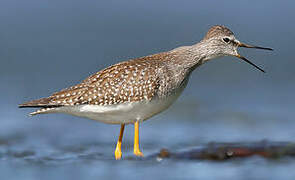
[{"x": 135, "y": 90}]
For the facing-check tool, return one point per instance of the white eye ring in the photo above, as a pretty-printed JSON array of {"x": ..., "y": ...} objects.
[{"x": 227, "y": 40}]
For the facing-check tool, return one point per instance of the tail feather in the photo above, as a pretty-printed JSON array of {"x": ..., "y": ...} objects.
[
  {"x": 39, "y": 103},
  {"x": 42, "y": 111}
]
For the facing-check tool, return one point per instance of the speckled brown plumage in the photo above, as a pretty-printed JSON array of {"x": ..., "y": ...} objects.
[{"x": 129, "y": 81}]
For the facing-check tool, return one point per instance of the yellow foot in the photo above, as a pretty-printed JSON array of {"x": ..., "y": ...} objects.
[
  {"x": 138, "y": 153},
  {"x": 118, "y": 154},
  {"x": 118, "y": 151},
  {"x": 136, "y": 149}
]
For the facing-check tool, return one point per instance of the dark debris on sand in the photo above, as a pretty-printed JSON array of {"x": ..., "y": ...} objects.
[{"x": 224, "y": 151}]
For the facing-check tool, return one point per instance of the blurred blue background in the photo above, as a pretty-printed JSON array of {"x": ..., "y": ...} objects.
[{"x": 46, "y": 46}]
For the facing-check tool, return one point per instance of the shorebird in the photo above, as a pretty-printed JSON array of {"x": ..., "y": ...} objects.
[{"x": 133, "y": 91}]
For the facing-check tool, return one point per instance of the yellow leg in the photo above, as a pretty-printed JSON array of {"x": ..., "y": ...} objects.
[
  {"x": 136, "y": 151},
  {"x": 118, "y": 151}
]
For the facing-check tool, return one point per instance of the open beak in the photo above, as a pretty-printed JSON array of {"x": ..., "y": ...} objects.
[
  {"x": 255, "y": 47},
  {"x": 250, "y": 46}
]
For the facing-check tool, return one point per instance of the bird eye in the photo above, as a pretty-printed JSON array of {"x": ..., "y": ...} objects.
[{"x": 226, "y": 40}]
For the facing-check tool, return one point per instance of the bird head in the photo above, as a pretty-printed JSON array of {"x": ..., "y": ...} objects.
[{"x": 221, "y": 42}]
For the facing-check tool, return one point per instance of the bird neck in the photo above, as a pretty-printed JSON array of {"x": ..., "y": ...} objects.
[{"x": 190, "y": 57}]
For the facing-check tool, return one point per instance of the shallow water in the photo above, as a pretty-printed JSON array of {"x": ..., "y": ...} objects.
[{"x": 47, "y": 46}]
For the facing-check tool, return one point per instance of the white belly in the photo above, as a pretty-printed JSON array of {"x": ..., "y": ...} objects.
[{"x": 120, "y": 114}]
